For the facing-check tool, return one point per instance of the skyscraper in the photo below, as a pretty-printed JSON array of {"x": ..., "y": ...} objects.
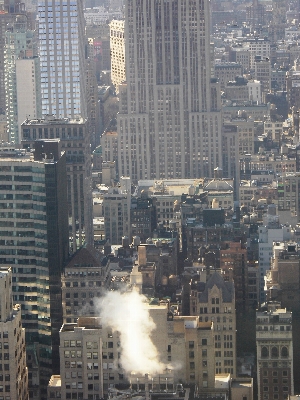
[
  {"x": 117, "y": 50},
  {"x": 75, "y": 141},
  {"x": 35, "y": 243},
  {"x": 274, "y": 347},
  {"x": 12, "y": 350},
  {"x": 61, "y": 40},
  {"x": 169, "y": 123},
  {"x": 9, "y": 9},
  {"x": 21, "y": 76}
]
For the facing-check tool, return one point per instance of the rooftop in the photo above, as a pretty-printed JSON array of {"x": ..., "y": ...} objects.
[
  {"x": 55, "y": 381},
  {"x": 241, "y": 383},
  {"x": 51, "y": 120}
]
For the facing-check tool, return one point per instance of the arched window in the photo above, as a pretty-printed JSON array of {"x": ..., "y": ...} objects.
[
  {"x": 274, "y": 352},
  {"x": 284, "y": 352},
  {"x": 264, "y": 352}
]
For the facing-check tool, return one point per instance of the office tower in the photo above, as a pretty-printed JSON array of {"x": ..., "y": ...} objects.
[
  {"x": 82, "y": 280},
  {"x": 283, "y": 277},
  {"x": 117, "y": 53},
  {"x": 109, "y": 145},
  {"x": 256, "y": 15},
  {"x": 288, "y": 195},
  {"x": 214, "y": 300},
  {"x": 274, "y": 346},
  {"x": 84, "y": 341},
  {"x": 9, "y": 9},
  {"x": 267, "y": 235},
  {"x": 116, "y": 210},
  {"x": 142, "y": 217},
  {"x": 3, "y": 129},
  {"x": 21, "y": 76},
  {"x": 13, "y": 354},
  {"x": 90, "y": 354},
  {"x": 74, "y": 136},
  {"x": 163, "y": 252},
  {"x": 278, "y": 22},
  {"x": 230, "y": 146},
  {"x": 262, "y": 73},
  {"x": 34, "y": 240},
  {"x": 62, "y": 58},
  {"x": 233, "y": 264},
  {"x": 93, "y": 109},
  {"x": 169, "y": 121}
]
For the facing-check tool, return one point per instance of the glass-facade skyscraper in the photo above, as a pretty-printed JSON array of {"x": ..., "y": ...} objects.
[
  {"x": 169, "y": 123},
  {"x": 21, "y": 76},
  {"x": 34, "y": 241},
  {"x": 61, "y": 50}
]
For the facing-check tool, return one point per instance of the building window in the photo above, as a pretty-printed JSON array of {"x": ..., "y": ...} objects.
[
  {"x": 274, "y": 352},
  {"x": 284, "y": 352},
  {"x": 264, "y": 352}
]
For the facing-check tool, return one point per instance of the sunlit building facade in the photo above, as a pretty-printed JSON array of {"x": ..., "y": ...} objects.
[
  {"x": 61, "y": 41},
  {"x": 34, "y": 241},
  {"x": 169, "y": 121}
]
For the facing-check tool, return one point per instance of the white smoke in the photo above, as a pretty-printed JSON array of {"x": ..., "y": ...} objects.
[{"x": 126, "y": 313}]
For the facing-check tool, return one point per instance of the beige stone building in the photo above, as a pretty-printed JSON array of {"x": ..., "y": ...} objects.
[
  {"x": 81, "y": 360},
  {"x": 90, "y": 353},
  {"x": 82, "y": 281},
  {"x": 192, "y": 343},
  {"x": 241, "y": 388},
  {"x": 117, "y": 53},
  {"x": 262, "y": 68},
  {"x": 245, "y": 134},
  {"x": 13, "y": 370},
  {"x": 282, "y": 279},
  {"x": 109, "y": 145},
  {"x": 227, "y": 72},
  {"x": 3, "y": 129},
  {"x": 116, "y": 211},
  {"x": 288, "y": 194},
  {"x": 169, "y": 121},
  {"x": 214, "y": 300}
]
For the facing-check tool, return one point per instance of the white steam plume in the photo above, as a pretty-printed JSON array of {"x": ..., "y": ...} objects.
[{"x": 126, "y": 313}]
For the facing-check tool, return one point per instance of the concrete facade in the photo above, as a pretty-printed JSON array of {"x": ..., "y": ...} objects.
[
  {"x": 274, "y": 345},
  {"x": 75, "y": 140},
  {"x": 214, "y": 300},
  {"x": 14, "y": 373},
  {"x": 117, "y": 52},
  {"x": 169, "y": 122}
]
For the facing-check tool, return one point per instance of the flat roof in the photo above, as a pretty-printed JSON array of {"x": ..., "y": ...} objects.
[
  {"x": 55, "y": 381},
  {"x": 241, "y": 384}
]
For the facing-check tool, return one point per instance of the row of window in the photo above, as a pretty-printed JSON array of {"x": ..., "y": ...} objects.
[
  {"x": 284, "y": 352},
  {"x": 79, "y": 396},
  {"x": 83, "y": 284},
  {"x": 275, "y": 388},
  {"x": 215, "y": 310},
  {"x": 78, "y": 364},
  {"x": 83, "y": 295}
]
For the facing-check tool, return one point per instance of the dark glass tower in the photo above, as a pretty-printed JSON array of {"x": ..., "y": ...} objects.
[{"x": 34, "y": 241}]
